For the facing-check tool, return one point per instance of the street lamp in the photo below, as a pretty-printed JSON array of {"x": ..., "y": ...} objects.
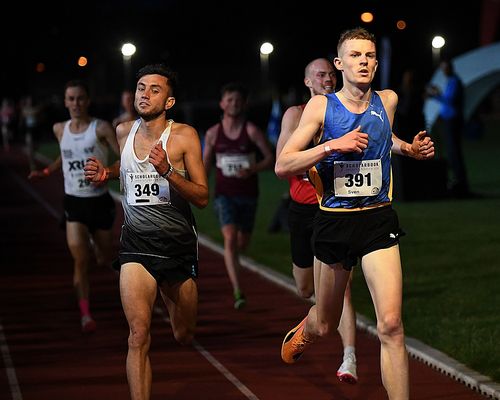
[
  {"x": 128, "y": 50},
  {"x": 437, "y": 43},
  {"x": 266, "y": 49}
]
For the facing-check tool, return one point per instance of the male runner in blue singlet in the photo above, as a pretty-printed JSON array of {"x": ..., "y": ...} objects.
[{"x": 350, "y": 166}]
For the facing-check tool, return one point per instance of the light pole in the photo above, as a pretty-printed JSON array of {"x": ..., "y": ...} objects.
[
  {"x": 128, "y": 50},
  {"x": 437, "y": 43},
  {"x": 266, "y": 49}
]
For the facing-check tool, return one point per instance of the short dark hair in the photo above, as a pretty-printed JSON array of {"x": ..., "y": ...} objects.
[
  {"x": 234, "y": 87},
  {"x": 160, "y": 69},
  {"x": 77, "y": 83},
  {"x": 356, "y": 33}
]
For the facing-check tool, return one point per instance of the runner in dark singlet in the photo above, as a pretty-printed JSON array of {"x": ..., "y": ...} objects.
[{"x": 233, "y": 144}]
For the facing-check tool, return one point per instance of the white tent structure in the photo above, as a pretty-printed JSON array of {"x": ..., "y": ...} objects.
[{"x": 479, "y": 70}]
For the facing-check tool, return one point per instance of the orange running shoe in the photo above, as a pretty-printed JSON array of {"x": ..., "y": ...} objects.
[{"x": 294, "y": 343}]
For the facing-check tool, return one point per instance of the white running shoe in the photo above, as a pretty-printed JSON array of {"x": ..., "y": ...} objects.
[{"x": 347, "y": 371}]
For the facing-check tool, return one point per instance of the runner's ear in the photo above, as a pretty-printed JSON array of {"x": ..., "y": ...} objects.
[{"x": 170, "y": 102}]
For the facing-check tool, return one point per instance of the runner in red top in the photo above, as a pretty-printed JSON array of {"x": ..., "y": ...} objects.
[{"x": 320, "y": 79}]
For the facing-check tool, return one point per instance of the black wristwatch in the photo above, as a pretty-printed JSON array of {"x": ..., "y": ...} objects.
[{"x": 169, "y": 172}]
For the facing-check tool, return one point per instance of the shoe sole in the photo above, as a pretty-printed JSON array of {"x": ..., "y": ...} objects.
[
  {"x": 287, "y": 338},
  {"x": 347, "y": 378}
]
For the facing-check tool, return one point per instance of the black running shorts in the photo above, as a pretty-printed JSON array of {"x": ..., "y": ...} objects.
[
  {"x": 301, "y": 223},
  {"x": 171, "y": 270},
  {"x": 97, "y": 213},
  {"x": 161, "y": 259},
  {"x": 343, "y": 237}
]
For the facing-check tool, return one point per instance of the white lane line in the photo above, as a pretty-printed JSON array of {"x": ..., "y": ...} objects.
[
  {"x": 212, "y": 360},
  {"x": 28, "y": 188},
  {"x": 15, "y": 390},
  {"x": 224, "y": 371}
]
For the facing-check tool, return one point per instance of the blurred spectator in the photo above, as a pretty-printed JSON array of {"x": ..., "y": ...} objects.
[
  {"x": 8, "y": 113},
  {"x": 127, "y": 105},
  {"x": 29, "y": 122},
  {"x": 451, "y": 117},
  {"x": 409, "y": 115}
]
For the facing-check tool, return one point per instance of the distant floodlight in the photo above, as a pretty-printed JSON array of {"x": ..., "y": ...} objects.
[
  {"x": 40, "y": 67},
  {"x": 82, "y": 61},
  {"x": 367, "y": 17},
  {"x": 128, "y": 50},
  {"x": 266, "y": 48},
  {"x": 438, "y": 42},
  {"x": 401, "y": 24}
]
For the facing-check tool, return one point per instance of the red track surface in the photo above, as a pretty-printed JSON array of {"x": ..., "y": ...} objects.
[{"x": 236, "y": 355}]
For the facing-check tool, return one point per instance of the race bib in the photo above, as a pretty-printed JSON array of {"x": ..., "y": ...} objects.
[
  {"x": 77, "y": 182},
  {"x": 146, "y": 189},
  {"x": 357, "y": 178},
  {"x": 231, "y": 164}
]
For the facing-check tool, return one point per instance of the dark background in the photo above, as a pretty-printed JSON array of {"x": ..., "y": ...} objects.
[{"x": 211, "y": 43}]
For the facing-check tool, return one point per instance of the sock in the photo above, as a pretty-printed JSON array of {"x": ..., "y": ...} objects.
[
  {"x": 349, "y": 350},
  {"x": 84, "y": 307}
]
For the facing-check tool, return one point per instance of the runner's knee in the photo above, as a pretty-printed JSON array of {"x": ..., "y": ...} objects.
[
  {"x": 139, "y": 337},
  {"x": 390, "y": 328}
]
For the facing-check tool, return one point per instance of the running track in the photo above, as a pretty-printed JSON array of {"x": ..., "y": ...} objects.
[{"x": 43, "y": 355}]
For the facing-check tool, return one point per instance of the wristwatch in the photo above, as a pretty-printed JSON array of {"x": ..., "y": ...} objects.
[{"x": 169, "y": 172}]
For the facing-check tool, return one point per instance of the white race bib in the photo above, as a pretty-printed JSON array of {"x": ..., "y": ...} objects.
[
  {"x": 146, "y": 189},
  {"x": 357, "y": 178},
  {"x": 231, "y": 164},
  {"x": 77, "y": 182}
]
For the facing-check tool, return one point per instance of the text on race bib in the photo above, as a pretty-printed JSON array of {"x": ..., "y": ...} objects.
[
  {"x": 231, "y": 164},
  {"x": 357, "y": 178},
  {"x": 146, "y": 188}
]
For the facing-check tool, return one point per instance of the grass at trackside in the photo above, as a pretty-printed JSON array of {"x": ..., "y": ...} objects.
[{"x": 450, "y": 259}]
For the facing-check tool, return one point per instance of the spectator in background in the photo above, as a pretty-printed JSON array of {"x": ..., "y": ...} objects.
[
  {"x": 127, "y": 105},
  {"x": 7, "y": 115},
  {"x": 409, "y": 116},
  {"x": 451, "y": 116},
  {"x": 30, "y": 121},
  {"x": 234, "y": 143}
]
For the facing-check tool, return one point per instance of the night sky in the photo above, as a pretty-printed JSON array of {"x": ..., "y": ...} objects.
[{"x": 212, "y": 42}]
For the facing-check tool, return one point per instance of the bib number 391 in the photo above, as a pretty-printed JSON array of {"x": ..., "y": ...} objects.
[{"x": 357, "y": 178}]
